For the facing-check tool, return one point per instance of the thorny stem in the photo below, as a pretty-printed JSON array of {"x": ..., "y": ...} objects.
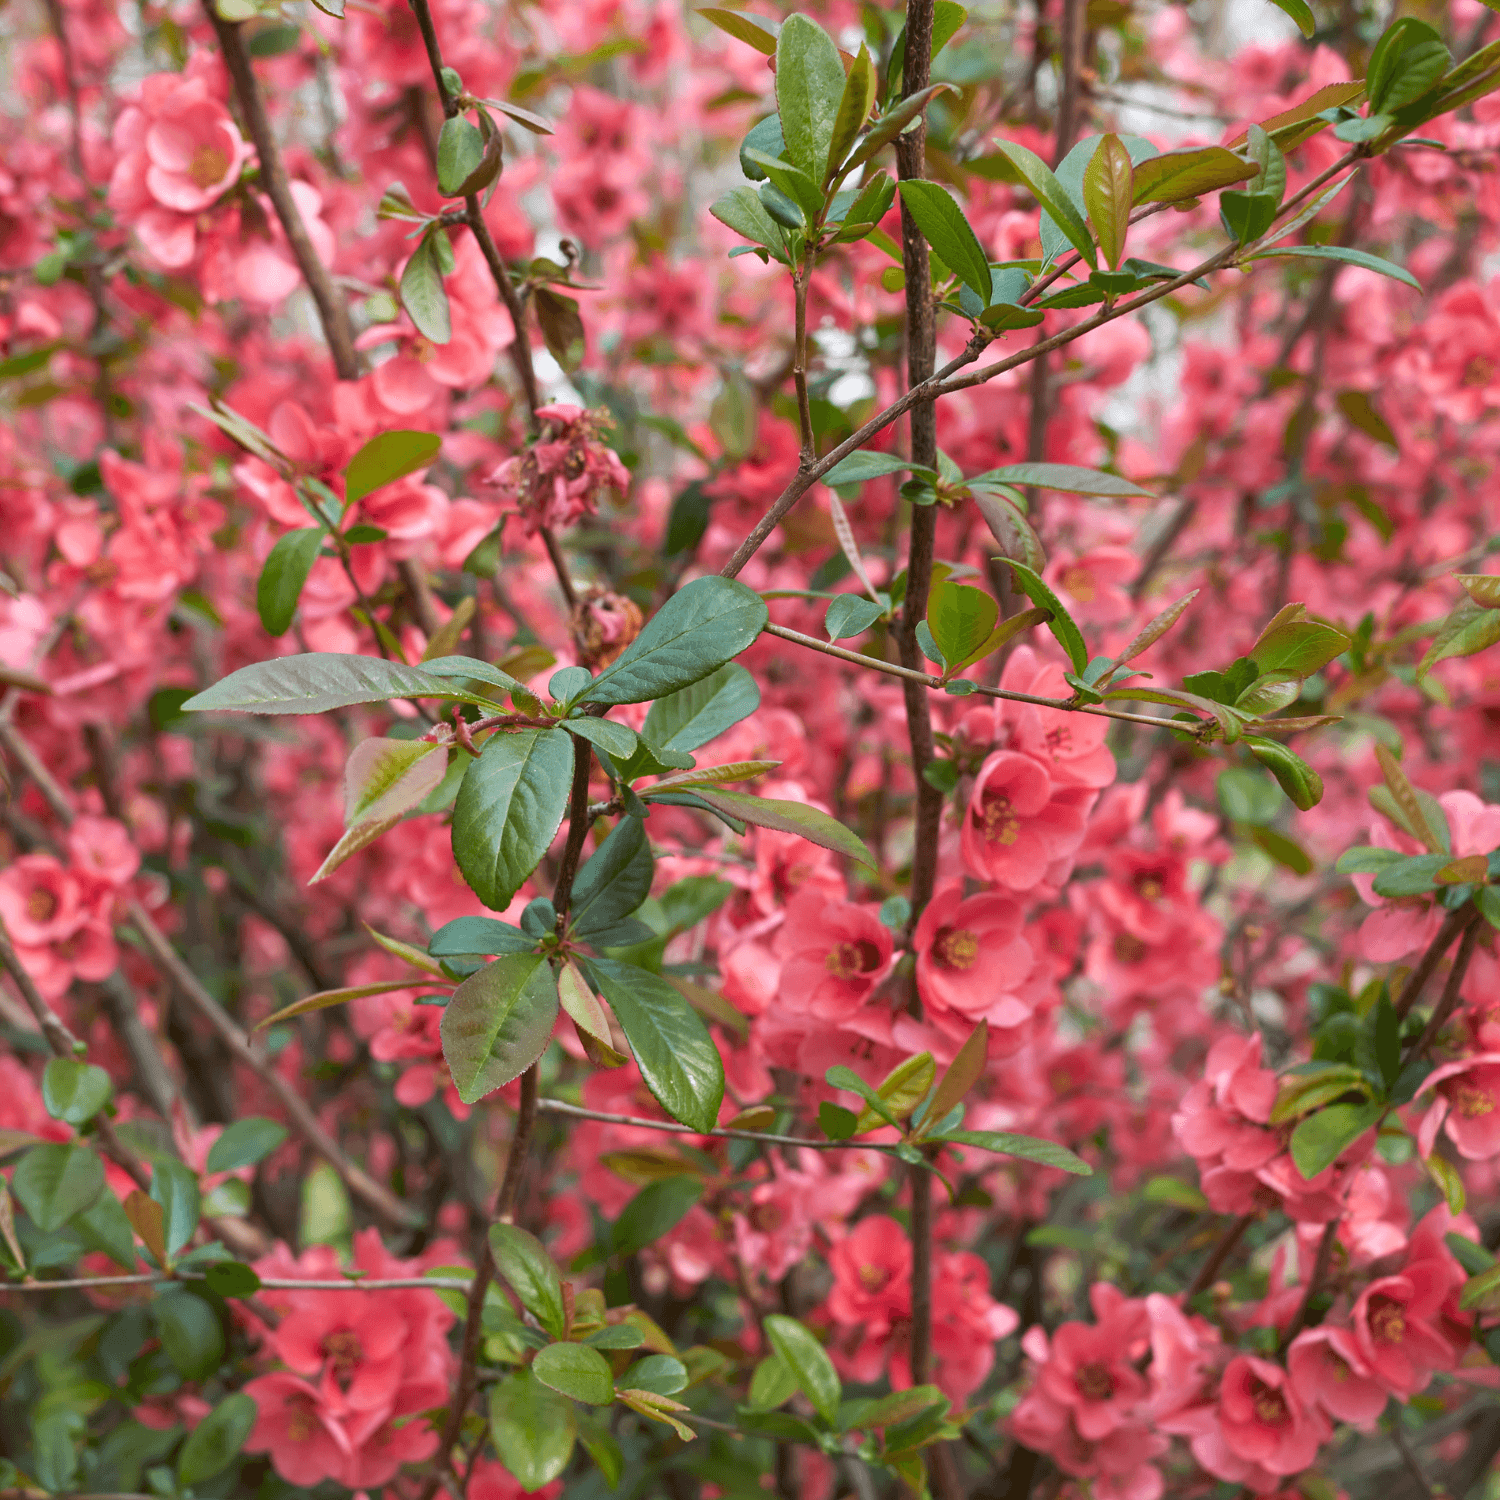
[
  {"x": 332, "y": 312},
  {"x": 948, "y": 380}
]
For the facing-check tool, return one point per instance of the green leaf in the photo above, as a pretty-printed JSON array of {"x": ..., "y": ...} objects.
[
  {"x": 1344, "y": 254},
  {"x": 836, "y": 1122},
  {"x": 533, "y": 1275},
  {"x": 1027, "y": 1147},
  {"x": 74, "y": 1091},
  {"x": 658, "y": 1373},
  {"x": 849, "y": 615},
  {"x": 744, "y": 26},
  {"x": 498, "y": 1023},
  {"x": 1482, "y": 588},
  {"x": 616, "y": 740},
  {"x": 1298, "y": 779},
  {"x": 1301, "y": 12},
  {"x": 190, "y": 1334},
  {"x": 899, "y": 1092},
  {"x": 576, "y": 1371},
  {"x": 232, "y": 1278},
  {"x": 672, "y": 1046},
  {"x": 464, "y": 936},
  {"x": 460, "y": 151},
  {"x": 1175, "y": 176},
  {"x": 105, "y": 1226},
  {"x": 698, "y": 630},
  {"x": 944, "y": 227},
  {"x": 614, "y": 881},
  {"x": 1479, "y": 1288},
  {"x": 383, "y": 781},
  {"x": 532, "y": 1428},
  {"x": 809, "y": 86},
  {"x": 1467, "y": 631},
  {"x": 562, "y": 327},
  {"x": 1413, "y": 876},
  {"x": 1473, "y": 1257},
  {"x": 654, "y": 1211},
  {"x": 1068, "y": 478},
  {"x": 316, "y": 681},
  {"x": 1247, "y": 796},
  {"x": 1061, "y": 623},
  {"x": 1322, "y": 1138},
  {"x": 216, "y": 1441},
  {"x": 853, "y": 111},
  {"x": 1366, "y": 859},
  {"x": 700, "y": 712},
  {"x": 243, "y": 1143},
  {"x": 966, "y": 1069},
  {"x": 509, "y": 809},
  {"x": 786, "y": 817},
  {"x": 1407, "y": 61},
  {"x": 961, "y": 619},
  {"x": 282, "y": 578},
  {"x": 866, "y": 464},
  {"x": 386, "y": 457},
  {"x": 1038, "y": 176},
  {"x": 422, "y": 292},
  {"x": 1108, "y": 186},
  {"x": 763, "y": 139},
  {"x": 175, "y": 1186},
  {"x": 56, "y": 1181},
  {"x": 894, "y": 121},
  {"x": 808, "y": 1361},
  {"x": 1174, "y": 1191},
  {"x": 742, "y": 211}
]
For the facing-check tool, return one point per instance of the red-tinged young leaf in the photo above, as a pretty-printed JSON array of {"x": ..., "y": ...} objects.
[
  {"x": 147, "y": 1219},
  {"x": 326, "y": 998},
  {"x": 1155, "y": 629},
  {"x": 966, "y": 1069},
  {"x": 1108, "y": 186}
]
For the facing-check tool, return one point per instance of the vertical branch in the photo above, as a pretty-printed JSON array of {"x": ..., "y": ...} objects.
[
  {"x": 332, "y": 312},
  {"x": 921, "y": 351},
  {"x": 800, "y": 278}
]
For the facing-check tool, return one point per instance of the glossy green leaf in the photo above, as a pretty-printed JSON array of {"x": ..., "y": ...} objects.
[
  {"x": 216, "y": 1441},
  {"x": 961, "y": 619},
  {"x": 936, "y": 213},
  {"x": 422, "y": 292},
  {"x": 316, "y": 681},
  {"x": 74, "y": 1091},
  {"x": 577, "y": 1371},
  {"x": 1061, "y": 623},
  {"x": 654, "y": 1211},
  {"x": 700, "y": 628},
  {"x": 498, "y": 1023},
  {"x": 383, "y": 781},
  {"x": 190, "y": 1334},
  {"x": 864, "y": 465},
  {"x": 849, "y": 615},
  {"x": 386, "y": 457},
  {"x": 614, "y": 881},
  {"x": 741, "y": 210},
  {"x": 660, "y": 1374},
  {"x": 509, "y": 809},
  {"x": 1468, "y": 630},
  {"x": 464, "y": 936},
  {"x": 532, "y": 1428},
  {"x": 1175, "y": 176},
  {"x": 1301, "y": 12},
  {"x": 1108, "y": 184},
  {"x": 1344, "y": 254},
  {"x": 806, "y": 1358},
  {"x": 809, "y": 86},
  {"x": 55, "y": 1181},
  {"x": 694, "y": 715},
  {"x": 787, "y": 817},
  {"x": 672, "y": 1046},
  {"x": 1038, "y": 176},
  {"x": 282, "y": 577},
  {"x": 459, "y": 153},
  {"x": 243, "y": 1143},
  {"x": 532, "y": 1274},
  {"x": 1068, "y": 478},
  {"x": 1026, "y": 1147},
  {"x": 174, "y": 1185},
  {"x": 1298, "y": 779},
  {"x": 1323, "y": 1137}
]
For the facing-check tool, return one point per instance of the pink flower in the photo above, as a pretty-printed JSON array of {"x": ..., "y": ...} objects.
[
  {"x": 971, "y": 958},
  {"x": 1094, "y": 582},
  {"x": 1091, "y": 1372},
  {"x": 1327, "y": 1370},
  {"x": 1223, "y": 1118},
  {"x": 1466, "y": 1107},
  {"x": 834, "y": 955},
  {"x": 1394, "y": 1327},
  {"x": 103, "y": 847},
  {"x": 871, "y": 1269},
  {"x": 40, "y": 901},
  {"x": 179, "y": 152},
  {"x": 1071, "y": 746},
  {"x": 1017, "y": 824},
  {"x": 293, "y": 1425},
  {"x": 1263, "y": 1420}
]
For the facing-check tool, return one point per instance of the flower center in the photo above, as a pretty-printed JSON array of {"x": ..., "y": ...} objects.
[
  {"x": 1387, "y": 1321},
  {"x": 41, "y": 906},
  {"x": 767, "y": 1217},
  {"x": 1129, "y": 949},
  {"x": 1079, "y": 582},
  {"x": 1269, "y": 1403},
  {"x": 1094, "y": 1381},
  {"x": 1149, "y": 885},
  {"x": 849, "y": 959},
  {"x": 874, "y": 1278},
  {"x": 997, "y": 817},
  {"x": 1472, "y": 1102},
  {"x": 955, "y": 948},
  {"x": 1479, "y": 371},
  {"x": 343, "y": 1350},
  {"x": 208, "y": 166}
]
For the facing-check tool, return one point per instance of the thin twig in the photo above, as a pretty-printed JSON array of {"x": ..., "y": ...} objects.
[
  {"x": 274, "y": 1283},
  {"x": 1220, "y": 1253}
]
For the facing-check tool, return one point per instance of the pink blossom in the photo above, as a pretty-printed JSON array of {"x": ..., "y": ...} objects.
[
  {"x": 971, "y": 959},
  {"x": 1327, "y": 1370},
  {"x": 833, "y": 955},
  {"x": 1017, "y": 824}
]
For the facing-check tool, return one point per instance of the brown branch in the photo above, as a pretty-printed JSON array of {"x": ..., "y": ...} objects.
[
  {"x": 1218, "y": 1255},
  {"x": 1416, "y": 981},
  {"x": 1318, "y": 1275},
  {"x": 1450, "y": 998},
  {"x": 332, "y": 312}
]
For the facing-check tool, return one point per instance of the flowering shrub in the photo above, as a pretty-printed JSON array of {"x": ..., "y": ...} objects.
[{"x": 749, "y": 751}]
